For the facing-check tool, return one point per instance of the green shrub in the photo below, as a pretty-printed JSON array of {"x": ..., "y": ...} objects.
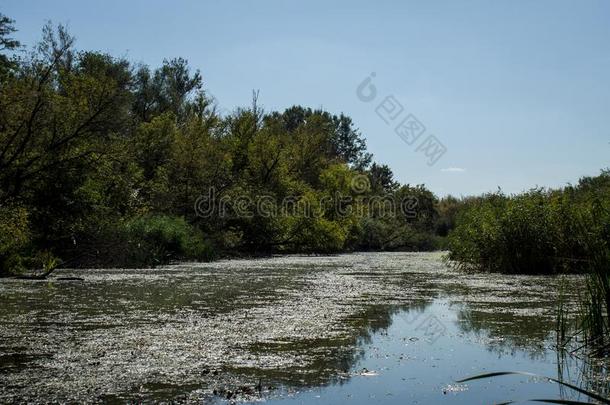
[
  {"x": 160, "y": 239},
  {"x": 541, "y": 231},
  {"x": 142, "y": 241},
  {"x": 318, "y": 235}
]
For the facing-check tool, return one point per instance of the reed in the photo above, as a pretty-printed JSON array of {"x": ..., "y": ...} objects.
[
  {"x": 582, "y": 391},
  {"x": 594, "y": 314},
  {"x": 540, "y": 231}
]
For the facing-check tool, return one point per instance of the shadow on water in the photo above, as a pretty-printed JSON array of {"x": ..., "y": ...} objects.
[{"x": 393, "y": 326}]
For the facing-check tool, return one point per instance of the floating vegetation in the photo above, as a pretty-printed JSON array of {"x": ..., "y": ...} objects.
[{"x": 276, "y": 326}]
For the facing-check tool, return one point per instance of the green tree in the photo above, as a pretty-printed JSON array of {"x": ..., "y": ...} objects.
[{"x": 7, "y": 43}]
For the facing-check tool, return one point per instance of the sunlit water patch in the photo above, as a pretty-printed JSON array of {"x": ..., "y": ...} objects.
[{"x": 297, "y": 329}]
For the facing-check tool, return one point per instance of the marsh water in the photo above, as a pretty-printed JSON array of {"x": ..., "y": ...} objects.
[{"x": 356, "y": 328}]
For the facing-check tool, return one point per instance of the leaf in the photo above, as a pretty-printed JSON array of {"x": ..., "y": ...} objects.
[{"x": 575, "y": 388}]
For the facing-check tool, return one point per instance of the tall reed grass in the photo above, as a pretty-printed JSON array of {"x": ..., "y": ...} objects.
[
  {"x": 540, "y": 231},
  {"x": 552, "y": 232}
]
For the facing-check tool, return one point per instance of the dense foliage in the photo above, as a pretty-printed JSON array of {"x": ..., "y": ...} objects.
[
  {"x": 541, "y": 231},
  {"x": 103, "y": 162},
  {"x": 545, "y": 231}
]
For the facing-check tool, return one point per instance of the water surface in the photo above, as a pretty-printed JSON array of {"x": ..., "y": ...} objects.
[{"x": 354, "y": 328}]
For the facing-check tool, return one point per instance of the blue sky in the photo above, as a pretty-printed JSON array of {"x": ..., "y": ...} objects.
[{"x": 517, "y": 91}]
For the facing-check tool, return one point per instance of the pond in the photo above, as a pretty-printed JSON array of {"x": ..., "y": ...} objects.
[{"x": 354, "y": 328}]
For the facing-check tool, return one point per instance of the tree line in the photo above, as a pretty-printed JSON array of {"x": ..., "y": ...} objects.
[
  {"x": 103, "y": 162},
  {"x": 539, "y": 231}
]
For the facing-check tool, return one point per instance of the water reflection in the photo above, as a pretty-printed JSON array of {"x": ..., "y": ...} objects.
[{"x": 347, "y": 326}]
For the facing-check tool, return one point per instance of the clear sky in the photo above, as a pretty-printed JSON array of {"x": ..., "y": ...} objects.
[{"x": 517, "y": 91}]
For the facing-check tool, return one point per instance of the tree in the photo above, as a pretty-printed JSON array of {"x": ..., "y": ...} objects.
[
  {"x": 198, "y": 163},
  {"x": 57, "y": 114},
  {"x": 382, "y": 179},
  {"x": 171, "y": 88},
  {"x": 345, "y": 141},
  {"x": 7, "y": 44},
  {"x": 94, "y": 152},
  {"x": 62, "y": 115},
  {"x": 348, "y": 143}
]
